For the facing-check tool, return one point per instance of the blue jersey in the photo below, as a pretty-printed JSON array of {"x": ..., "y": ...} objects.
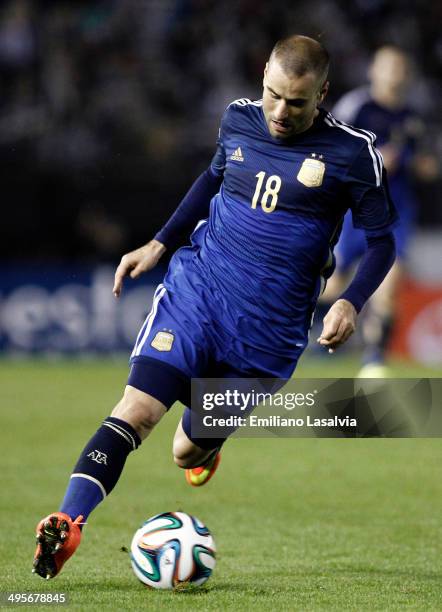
[{"x": 258, "y": 260}]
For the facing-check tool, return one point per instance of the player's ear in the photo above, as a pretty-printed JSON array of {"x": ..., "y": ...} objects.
[
  {"x": 323, "y": 92},
  {"x": 265, "y": 73}
]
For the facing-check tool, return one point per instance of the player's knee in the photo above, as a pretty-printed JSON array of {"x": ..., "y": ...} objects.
[
  {"x": 140, "y": 410},
  {"x": 148, "y": 420}
]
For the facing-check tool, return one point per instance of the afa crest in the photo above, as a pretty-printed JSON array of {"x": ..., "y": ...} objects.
[
  {"x": 312, "y": 172},
  {"x": 163, "y": 341}
]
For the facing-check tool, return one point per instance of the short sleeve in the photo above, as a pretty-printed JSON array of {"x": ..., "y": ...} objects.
[{"x": 372, "y": 207}]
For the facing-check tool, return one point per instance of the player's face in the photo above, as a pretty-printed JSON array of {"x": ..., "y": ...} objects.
[{"x": 289, "y": 102}]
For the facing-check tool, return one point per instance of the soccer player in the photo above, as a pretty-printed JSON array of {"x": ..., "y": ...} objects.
[
  {"x": 238, "y": 301},
  {"x": 381, "y": 108}
]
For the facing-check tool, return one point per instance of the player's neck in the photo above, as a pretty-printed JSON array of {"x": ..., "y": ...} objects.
[{"x": 307, "y": 127}]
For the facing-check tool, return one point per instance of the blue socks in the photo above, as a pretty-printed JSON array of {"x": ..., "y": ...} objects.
[{"x": 99, "y": 467}]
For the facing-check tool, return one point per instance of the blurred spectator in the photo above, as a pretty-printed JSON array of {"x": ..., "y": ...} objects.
[{"x": 382, "y": 108}]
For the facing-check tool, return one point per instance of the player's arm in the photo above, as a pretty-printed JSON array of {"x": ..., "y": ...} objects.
[
  {"x": 374, "y": 212},
  {"x": 340, "y": 321},
  {"x": 195, "y": 204},
  {"x": 136, "y": 262},
  {"x": 193, "y": 207}
]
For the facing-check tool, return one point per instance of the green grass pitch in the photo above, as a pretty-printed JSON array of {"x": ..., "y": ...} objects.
[{"x": 300, "y": 524}]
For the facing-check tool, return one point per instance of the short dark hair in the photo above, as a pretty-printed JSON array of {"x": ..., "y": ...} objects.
[{"x": 299, "y": 54}]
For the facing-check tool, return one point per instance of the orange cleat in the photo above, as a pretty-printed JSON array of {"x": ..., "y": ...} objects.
[
  {"x": 58, "y": 537},
  {"x": 198, "y": 476}
]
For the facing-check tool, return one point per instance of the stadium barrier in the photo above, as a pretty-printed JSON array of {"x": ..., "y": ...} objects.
[
  {"x": 66, "y": 310},
  {"x": 56, "y": 309},
  {"x": 418, "y": 329}
]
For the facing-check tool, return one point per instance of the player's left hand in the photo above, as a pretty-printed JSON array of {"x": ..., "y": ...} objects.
[{"x": 339, "y": 324}]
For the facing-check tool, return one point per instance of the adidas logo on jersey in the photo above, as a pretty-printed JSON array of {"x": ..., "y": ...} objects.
[{"x": 237, "y": 155}]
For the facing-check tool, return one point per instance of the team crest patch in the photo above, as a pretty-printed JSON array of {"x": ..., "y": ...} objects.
[
  {"x": 312, "y": 172},
  {"x": 163, "y": 341}
]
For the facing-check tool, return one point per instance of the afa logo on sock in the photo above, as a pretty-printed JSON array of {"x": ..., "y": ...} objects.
[{"x": 98, "y": 457}]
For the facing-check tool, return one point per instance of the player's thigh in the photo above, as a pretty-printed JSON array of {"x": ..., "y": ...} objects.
[
  {"x": 174, "y": 334},
  {"x": 170, "y": 349}
]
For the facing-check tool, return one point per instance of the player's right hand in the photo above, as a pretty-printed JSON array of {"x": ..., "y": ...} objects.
[{"x": 136, "y": 262}]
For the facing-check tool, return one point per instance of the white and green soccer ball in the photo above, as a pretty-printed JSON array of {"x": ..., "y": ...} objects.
[{"x": 173, "y": 549}]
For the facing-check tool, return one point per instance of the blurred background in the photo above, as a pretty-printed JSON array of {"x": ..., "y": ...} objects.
[{"x": 109, "y": 110}]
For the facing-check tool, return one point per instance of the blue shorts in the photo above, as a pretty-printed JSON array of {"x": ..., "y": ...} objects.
[
  {"x": 182, "y": 339},
  {"x": 352, "y": 244}
]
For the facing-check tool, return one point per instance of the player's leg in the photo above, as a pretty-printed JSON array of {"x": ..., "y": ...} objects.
[
  {"x": 188, "y": 454},
  {"x": 102, "y": 460},
  {"x": 377, "y": 325},
  {"x": 198, "y": 456},
  {"x": 378, "y": 322},
  {"x": 153, "y": 386},
  {"x": 95, "y": 475}
]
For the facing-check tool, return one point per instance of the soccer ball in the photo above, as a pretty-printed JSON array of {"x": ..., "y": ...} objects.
[{"x": 173, "y": 549}]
